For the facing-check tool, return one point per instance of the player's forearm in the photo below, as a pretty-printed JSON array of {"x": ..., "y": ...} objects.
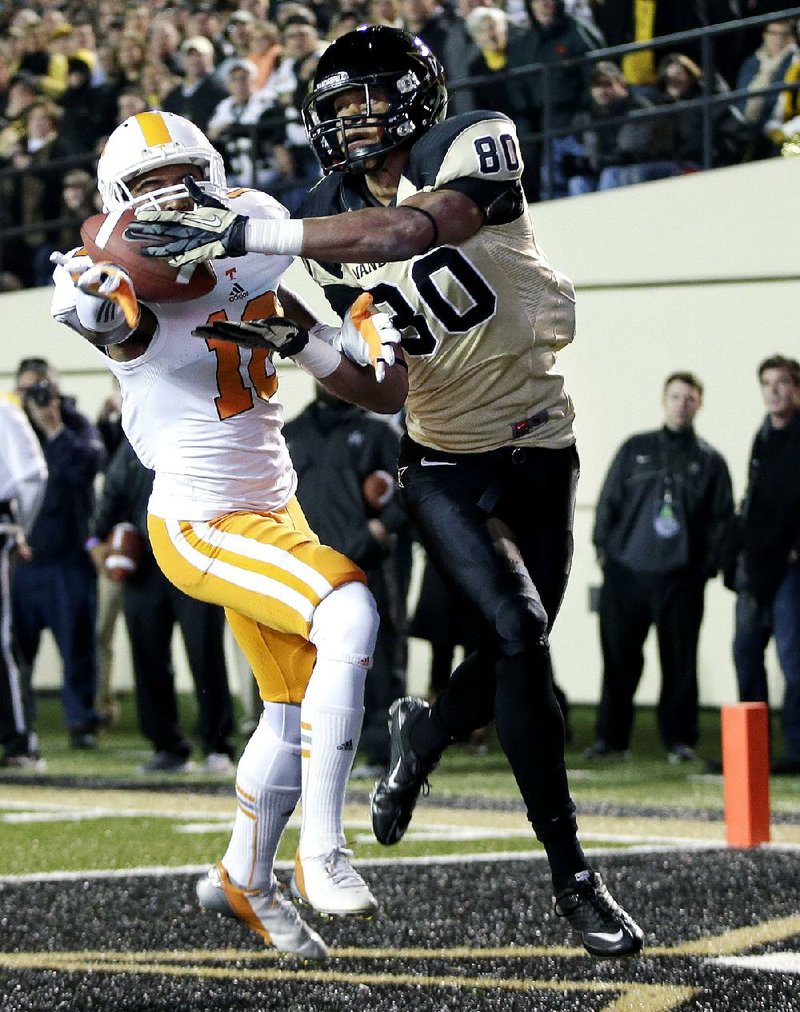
[
  {"x": 379, "y": 234},
  {"x": 357, "y": 385}
]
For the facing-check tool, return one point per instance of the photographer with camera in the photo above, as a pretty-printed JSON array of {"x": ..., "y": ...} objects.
[{"x": 56, "y": 588}]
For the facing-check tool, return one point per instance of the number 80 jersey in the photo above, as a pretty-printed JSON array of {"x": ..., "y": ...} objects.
[{"x": 481, "y": 321}]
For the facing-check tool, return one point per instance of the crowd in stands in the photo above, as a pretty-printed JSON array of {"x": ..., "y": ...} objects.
[{"x": 240, "y": 69}]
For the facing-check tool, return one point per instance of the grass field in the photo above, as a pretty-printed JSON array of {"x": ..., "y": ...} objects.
[{"x": 98, "y": 863}]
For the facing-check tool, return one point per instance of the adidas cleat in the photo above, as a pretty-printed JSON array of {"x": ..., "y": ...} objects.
[
  {"x": 267, "y": 912},
  {"x": 605, "y": 928},
  {"x": 332, "y": 886},
  {"x": 395, "y": 794}
]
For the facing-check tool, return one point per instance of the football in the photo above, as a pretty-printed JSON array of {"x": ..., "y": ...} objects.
[
  {"x": 377, "y": 489},
  {"x": 154, "y": 280},
  {"x": 126, "y": 547}
]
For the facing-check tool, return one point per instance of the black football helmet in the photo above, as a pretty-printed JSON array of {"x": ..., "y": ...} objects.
[{"x": 389, "y": 64}]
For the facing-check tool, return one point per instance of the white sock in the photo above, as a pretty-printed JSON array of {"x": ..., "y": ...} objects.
[
  {"x": 343, "y": 630},
  {"x": 268, "y": 782},
  {"x": 329, "y": 740}
]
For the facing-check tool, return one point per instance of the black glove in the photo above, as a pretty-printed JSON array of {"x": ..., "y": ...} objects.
[{"x": 275, "y": 333}]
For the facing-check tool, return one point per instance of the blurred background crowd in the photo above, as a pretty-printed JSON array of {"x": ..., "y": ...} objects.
[{"x": 240, "y": 69}]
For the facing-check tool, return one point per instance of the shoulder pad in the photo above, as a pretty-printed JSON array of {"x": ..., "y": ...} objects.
[{"x": 480, "y": 144}]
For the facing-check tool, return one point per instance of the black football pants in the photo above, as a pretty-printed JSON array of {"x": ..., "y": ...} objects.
[{"x": 498, "y": 527}]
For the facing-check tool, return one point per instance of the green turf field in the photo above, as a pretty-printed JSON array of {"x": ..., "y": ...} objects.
[{"x": 132, "y": 820}]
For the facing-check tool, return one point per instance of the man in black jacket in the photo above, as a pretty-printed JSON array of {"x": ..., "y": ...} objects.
[
  {"x": 767, "y": 580},
  {"x": 152, "y": 607},
  {"x": 664, "y": 509},
  {"x": 336, "y": 447}
]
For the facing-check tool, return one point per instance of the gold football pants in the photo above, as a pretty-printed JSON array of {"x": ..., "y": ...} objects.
[{"x": 269, "y": 572}]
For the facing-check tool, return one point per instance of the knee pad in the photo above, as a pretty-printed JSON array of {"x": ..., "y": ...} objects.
[
  {"x": 520, "y": 624},
  {"x": 345, "y": 625}
]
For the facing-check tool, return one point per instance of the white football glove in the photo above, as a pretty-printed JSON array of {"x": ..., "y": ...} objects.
[
  {"x": 367, "y": 337},
  {"x": 104, "y": 293},
  {"x": 74, "y": 262}
]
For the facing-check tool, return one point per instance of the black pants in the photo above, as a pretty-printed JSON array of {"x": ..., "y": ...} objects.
[
  {"x": 152, "y": 606},
  {"x": 630, "y": 603},
  {"x": 16, "y": 701},
  {"x": 498, "y": 527}
]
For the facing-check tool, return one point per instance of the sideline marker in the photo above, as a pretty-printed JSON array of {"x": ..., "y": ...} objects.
[{"x": 745, "y": 766}]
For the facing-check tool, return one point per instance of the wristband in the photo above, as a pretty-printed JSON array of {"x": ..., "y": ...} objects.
[
  {"x": 268, "y": 235},
  {"x": 317, "y": 358}
]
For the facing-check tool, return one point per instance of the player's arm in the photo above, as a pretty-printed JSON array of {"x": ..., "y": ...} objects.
[
  {"x": 383, "y": 234},
  {"x": 373, "y": 234},
  {"x": 99, "y": 302},
  {"x": 361, "y": 361}
]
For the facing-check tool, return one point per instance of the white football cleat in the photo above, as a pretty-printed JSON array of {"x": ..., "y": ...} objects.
[
  {"x": 330, "y": 884},
  {"x": 268, "y": 912}
]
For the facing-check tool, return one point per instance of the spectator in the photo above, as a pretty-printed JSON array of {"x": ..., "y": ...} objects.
[
  {"x": 488, "y": 28},
  {"x": 23, "y": 477},
  {"x": 236, "y": 42},
  {"x": 32, "y": 196},
  {"x": 265, "y": 51},
  {"x": 56, "y": 589},
  {"x": 671, "y": 145},
  {"x": 783, "y": 125},
  {"x": 48, "y": 67},
  {"x": 156, "y": 83},
  {"x": 200, "y": 93},
  {"x": 163, "y": 44},
  {"x": 731, "y": 49},
  {"x": 231, "y": 129},
  {"x": 767, "y": 577},
  {"x": 448, "y": 38},
  {"x": 591, "y": 160},
  {"x": 384, "y": 12},
  {"x": 552, "y": 38},
  {"x": 77, "y": 204},
  {"x": 285, "y": 93},
  {"x": 152, "y": 607},
  {"x": 663, "y": 512},
  {"x": 335, "y": 447},
  {"x": 767, "y": 65},
  {"x": 81, "y": 124},
  {"x": 23, "y": 91}
]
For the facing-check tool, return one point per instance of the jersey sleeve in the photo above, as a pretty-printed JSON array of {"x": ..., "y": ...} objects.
[{"x": 477, "y": 154}]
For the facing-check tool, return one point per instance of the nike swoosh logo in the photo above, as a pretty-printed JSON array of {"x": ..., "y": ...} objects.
[
  {"x": 205, "y": 221},
  {"x": 437, "y": 463},
  {"x": 606, "y": 937}
]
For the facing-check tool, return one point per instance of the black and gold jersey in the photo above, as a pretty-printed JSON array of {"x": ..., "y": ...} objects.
[{"x": 481, "y": 321}]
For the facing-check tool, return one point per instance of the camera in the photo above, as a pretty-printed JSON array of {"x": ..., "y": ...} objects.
[{"x": 41, "y": 393}]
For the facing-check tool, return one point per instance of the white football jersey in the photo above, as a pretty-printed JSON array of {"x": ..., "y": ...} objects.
[{"x": 202, "y": 414}]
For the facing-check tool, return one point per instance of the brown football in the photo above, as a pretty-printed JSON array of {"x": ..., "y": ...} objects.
[
  {"x": 154, "y": 280},
  {"x": 126, "y": 547},
  {"x": 377, "y": 489}
]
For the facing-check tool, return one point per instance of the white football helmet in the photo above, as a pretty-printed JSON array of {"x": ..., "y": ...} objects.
[{"x": 147, "y": 141}]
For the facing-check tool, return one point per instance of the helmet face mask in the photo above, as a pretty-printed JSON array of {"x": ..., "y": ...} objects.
[
  {"x": 149, "y": 141},
  {"x": 393, "y": 82}
]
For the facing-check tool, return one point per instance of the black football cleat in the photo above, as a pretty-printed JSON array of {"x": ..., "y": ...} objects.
[
  {"x": 395, "y": 794},
  {"x": 606, "y": 930}
]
